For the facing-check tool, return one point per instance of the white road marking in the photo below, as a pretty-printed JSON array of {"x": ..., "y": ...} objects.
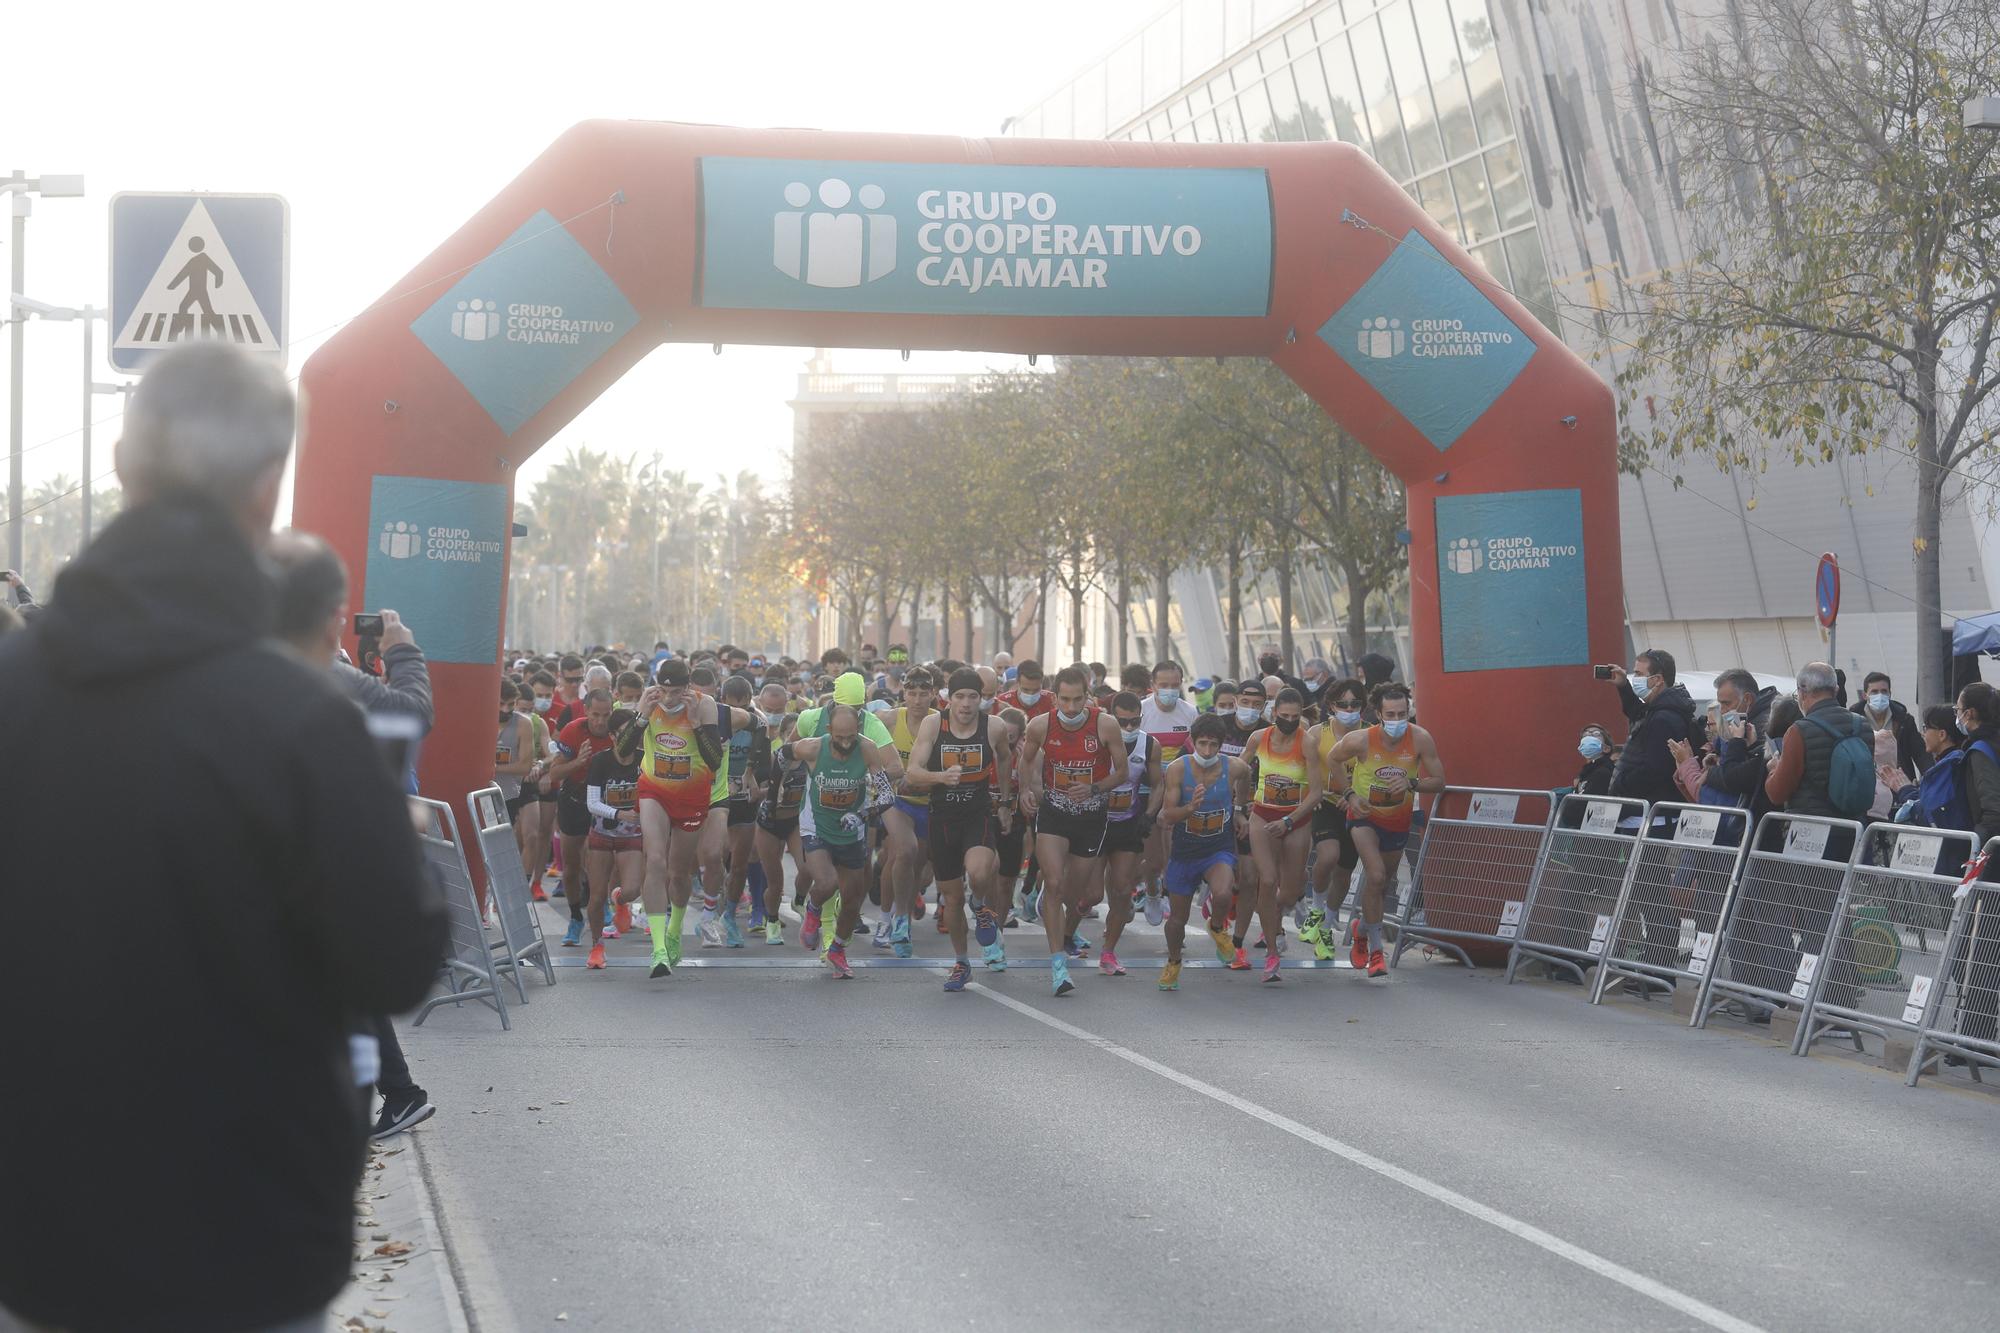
[{"x": 1556, "y": 1245}]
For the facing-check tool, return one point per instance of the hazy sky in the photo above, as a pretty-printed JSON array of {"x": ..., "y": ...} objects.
[{"x": 387, "y": 125}]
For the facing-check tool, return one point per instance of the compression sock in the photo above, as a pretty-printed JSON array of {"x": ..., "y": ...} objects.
[{"x": 1375, "y": 937}]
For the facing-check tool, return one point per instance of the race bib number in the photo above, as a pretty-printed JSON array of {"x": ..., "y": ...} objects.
[
  {"x": 1282, "y": 791},
  {"x": 674, "y": 767},
  {"x": 620, "y": 796},
  {"x": 503, "y": 757},
  {"x": 1073, "y": 780},
  {"x": 1204, "y": 823},
  {"x": 1120, "y": 802},
  {"x": 840, "y": 798},
  {"x": 960, "y": 756}
]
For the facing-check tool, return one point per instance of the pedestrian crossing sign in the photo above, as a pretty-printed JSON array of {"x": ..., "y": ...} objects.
[{"x": 188, "y": 266}]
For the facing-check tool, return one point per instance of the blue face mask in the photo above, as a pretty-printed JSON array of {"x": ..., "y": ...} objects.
[
  {"x": 1640, "y": 684},
  {"x": 1245, "y": 716},
  {"x": 1590, "y": 747},
  {"x": 1346, "y": 719},
  {"x": 1073, "y": 719},
  {"x": 1394, "y": 729},
  {"x": 1029, "y": 697},
  {"x": 1167, "y": 697}
]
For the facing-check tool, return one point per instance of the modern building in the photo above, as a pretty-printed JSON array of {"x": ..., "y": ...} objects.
[{"x": 1519, "y": 125}]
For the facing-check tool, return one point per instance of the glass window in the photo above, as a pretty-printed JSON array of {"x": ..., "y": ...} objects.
[
  {"x": 1315, "y": 108},
  {"x": 1236, "y": 24},
  {"x": 1345, "y": 93},
  {"x": 1406, "y": 63},
  {"x": 1157, "y": 126},
  {"x": 1475, "y": 202},
  {"x": 1121, "y": 84},
  {"x": 1510, "y": 186},
  {"x": 1454, "y": 105},
  {"x": 1089, "y": 88},
  {"x": 1299, "y": 41},
  {"x": 1201, "y": 37},
  {"x": 1161, "y": 66},
  {"x": 1204, "y": 129},
  {"x": 1198, "y": 98},
  {"x": 1531, "y": 276},
  {"x": 1378, "y": 94},
  {"x": 1228, "y": 120},
  {"x": 1492, "y": 257},
  {"x": 1268, "y": 12},
  {"x": 1056, "y": 121},
  {"x": 1285, "y": 107},
  {"x": 1256, "y": 105},
  {"x": 1030, "y": 125},
  {"x": 1434, "y": 193},
  {"x": 1482, "y": 70}
]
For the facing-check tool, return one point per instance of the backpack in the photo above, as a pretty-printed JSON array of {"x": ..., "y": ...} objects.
[
  {"x": 1941, "y": 798},
  {"x": 1850, "y": 777}
]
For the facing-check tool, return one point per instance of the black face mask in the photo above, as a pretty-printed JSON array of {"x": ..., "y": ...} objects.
[
  {"x": 1287, "y": 725},
  {"x": 506, "y": 713},
  {"x": 1269, "y": 664}
]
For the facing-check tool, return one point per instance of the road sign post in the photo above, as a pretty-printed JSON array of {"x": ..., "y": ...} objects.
[
  {"x": 191, "y": 266},
  {"x": 1826, "y": 599}
]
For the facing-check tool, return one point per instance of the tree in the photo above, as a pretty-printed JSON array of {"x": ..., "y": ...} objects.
[{"x": 1841, "y": 288}]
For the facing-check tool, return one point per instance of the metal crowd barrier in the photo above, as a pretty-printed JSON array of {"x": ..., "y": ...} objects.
[
  {"x": 1782, "y": 944},
  {"x": 1669, "y": 914},
  {"x": 469, "y": 971},
  {"x": 521, "y": 939},
  {"x": 1895, "y": 920},
  {"x": 1959, "y": 1013},
  {"x": 1566, "y": 920},
  {"x": 1474, "y": 867}
]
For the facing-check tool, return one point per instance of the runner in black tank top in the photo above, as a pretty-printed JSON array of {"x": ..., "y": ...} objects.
[{"x": 954, "y": 759}]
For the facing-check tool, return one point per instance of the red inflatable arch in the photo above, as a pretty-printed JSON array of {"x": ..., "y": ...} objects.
[{"x": 624, "y": 235}]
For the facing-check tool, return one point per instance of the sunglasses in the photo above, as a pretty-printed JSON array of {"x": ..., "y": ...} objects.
[{"x": 572, "y": 680}]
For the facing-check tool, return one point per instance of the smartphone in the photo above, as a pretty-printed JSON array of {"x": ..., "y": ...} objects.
[
  {"x": 367, "y": 626},
  {"x": 1602, "y": 673}
]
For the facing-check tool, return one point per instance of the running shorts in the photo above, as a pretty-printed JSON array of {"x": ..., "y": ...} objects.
[
  {"x": 781, "y": 829},
  {"x": 1122, "y": 835},
  {"x": 1084, "y": 832},
  {"x": 1330, "y": 825},
  {"x": 600, "y": 841},
  {"x": 687, "y": 809},
  {"x": 951, "y": 835},
  {"x": 1273, "y": 814},
  {"x": 919, "y": 815},
  {"x": 572, "y": 814},
  {"x": 845, "y": 855},
  {"x": 1387, "y": 839},
  {"x": 742, "y": 810},
  {"x": 1185, "y": 877}
]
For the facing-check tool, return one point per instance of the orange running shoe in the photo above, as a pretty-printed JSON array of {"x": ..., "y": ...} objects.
[
  {"x": 1357, "y": 955},
  {"x": 1241, "y": 962},
  {"x": 1378, "y": 966},
  {"x": 621, "y": 917},
  {"x": 596, "y": 959},
  {"x": 537, "y": 895}
]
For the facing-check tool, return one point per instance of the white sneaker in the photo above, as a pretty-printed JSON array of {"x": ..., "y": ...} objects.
[
  {"x": 710, "y": 932},
  {"x": 882, "y": 933},
  {"x": 1156, "y": 909}
]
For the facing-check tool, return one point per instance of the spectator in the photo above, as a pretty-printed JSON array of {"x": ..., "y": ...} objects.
[
  {"x": 1375, "y": 669},
  {"x": 15, "y": 597},
  {"x": 1941, "y": 737},
  {"x": 1976, "y": 968},
  {"x": 1879, "y": 710},
  {"x": 271, "y": 886},
  {"x": 1659, "y": 711},
  {"x": 1799, "y": 784}
]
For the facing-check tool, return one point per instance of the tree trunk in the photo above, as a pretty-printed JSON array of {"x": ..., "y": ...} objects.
[
  {"x": 1357, "y": 614},
  {"x": 944, "y": 621},
  {"x": 1236, "y": 611},
  {"x": 882, "y": 603},
  {"x": 916, "y": 611},
  {"x": 1933, "y": 665},
  {"x": 965, "y": 607},
  {"x": 1042, "y": 616},
  {"x": 1124, "y": 614},
  {"x": 1163, "y": 594},
  {"x": 1285, "y": 605},
  {"x": 1076, "y": 604}
]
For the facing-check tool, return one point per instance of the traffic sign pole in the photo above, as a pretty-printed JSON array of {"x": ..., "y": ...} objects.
[{"x": 1826, "y": 601}]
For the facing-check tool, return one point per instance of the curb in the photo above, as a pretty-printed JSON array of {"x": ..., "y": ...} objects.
[{"x": 402, "y": 1280}]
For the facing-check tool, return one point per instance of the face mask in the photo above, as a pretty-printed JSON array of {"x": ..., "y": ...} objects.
[
  {"x": 1073, "y": 719},
  {"x": 1209, "y": 762},
  {"x": 543, "y": 705},
  {"x": 1029, "y": 697},
  {"x": 1245, "y": 716},
  {"x": 1286, "y": 725},
  {"x": 1269, "y": 710},
  {"x": 1640, "y": 684},
  {"x": 1878, "y": 703},
  {"x": 1167, "y": 697},
  {"x": 1269, "y": 665},
  {"x": 1590, "y": 747},
  {"x": 1394, "y": 729},
  {"x": 1347, "y": 719}
]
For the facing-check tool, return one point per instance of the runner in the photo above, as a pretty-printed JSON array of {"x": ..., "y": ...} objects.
[
  {"x": 1131, "y": 810},
  {"x": 843, "y": 789},
  {"x": 906, "y": 824},
  {"x": 747, "y": 753},
  {"x": 1010, "y": 838},
  {"x": 586, "y": 734},
  {"x": 1333, "y": 867},
  {"x": 1165, "y": 716},
  {"x": 1288, "y": 786},
  {"x": 968, "y": 774},
  {"x": 684, "y": 754},
  {"x": 1066, "y": 762},
  {"x": 1202, "y": 790},
  {"x": 615, "y": 853},
  {"x": 778, "y": 814},
  {"x": 1391, "y": 762},
  {"x": 1026, "y": 693},
  {"x": 538, "y": 798}
]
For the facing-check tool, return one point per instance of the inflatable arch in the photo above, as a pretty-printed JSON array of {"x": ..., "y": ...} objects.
[{"x": 624, "y": 235}]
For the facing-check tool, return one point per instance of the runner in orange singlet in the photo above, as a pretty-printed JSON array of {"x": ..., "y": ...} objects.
[
  {"x": 1392, "y": 762},
  {"x": 1288, "y": 786}
]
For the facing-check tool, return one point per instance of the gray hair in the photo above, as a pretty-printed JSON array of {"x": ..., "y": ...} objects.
[
  {"x": 1740, "y": 678},
  {"x": 1319, "y": 664},
  {"x": 207, "y": 418},
  {"x": 1816, "y": 678},
  {"x": 597, "y": 678}
]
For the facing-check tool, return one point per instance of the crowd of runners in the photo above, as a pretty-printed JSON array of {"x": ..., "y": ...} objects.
[{"x": 980, "y": 796}]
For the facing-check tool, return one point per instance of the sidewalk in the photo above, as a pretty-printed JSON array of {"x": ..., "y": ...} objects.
[{"x": 402, "y": 1282}]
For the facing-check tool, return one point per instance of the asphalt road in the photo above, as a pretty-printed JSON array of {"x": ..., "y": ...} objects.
[{"x": 761, "y": 1146}]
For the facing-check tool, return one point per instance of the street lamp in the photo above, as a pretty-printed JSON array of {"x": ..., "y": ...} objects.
[
  {"x": 23, "y": 187},
  {"x": 1982, "y": 113},
  {"x": 28, "y": 306}
]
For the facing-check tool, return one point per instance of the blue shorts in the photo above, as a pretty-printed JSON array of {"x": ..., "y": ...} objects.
[
  {"x": 920, "y": 815},
  {"x": 1386, "y": 840},
  {"x": 1185, "y": 877}
]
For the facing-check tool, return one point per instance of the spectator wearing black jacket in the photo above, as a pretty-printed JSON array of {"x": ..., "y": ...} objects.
[
  {"x": 1976, "y": 967},
  {"x": 193, "y": 1097},
  {"x": 1659, "y": 711},
  {"x": 1880, "y": 710},
  {"x": 1599, "y": 762}
]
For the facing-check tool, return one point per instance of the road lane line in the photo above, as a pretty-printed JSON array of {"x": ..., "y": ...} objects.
[{"x": 1534, "y": 1235}]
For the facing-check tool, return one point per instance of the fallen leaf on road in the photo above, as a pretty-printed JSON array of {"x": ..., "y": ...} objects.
[
  {"x": 534, "y": 1108},
  {"x": 562, "y": 1317},
  {"x": 562, "y": 1101},
  {"x": 376, "y": 1314},
  {"x": 393, "y": 1249}
]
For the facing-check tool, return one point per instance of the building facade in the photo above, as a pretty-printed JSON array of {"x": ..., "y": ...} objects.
[{"x": 1522, "y": 127}]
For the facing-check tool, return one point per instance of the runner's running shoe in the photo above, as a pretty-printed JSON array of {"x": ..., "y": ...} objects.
[
  {"x": 574, "y": 935},
  {"x": 662, "y": 965},
  {"x": 673, "y": 944},
  {"x": 1170, "y": 977},
  {"x": 882, "y": 933},
  {"x": 956, "y": 978},
  {"x": 774, "y": 932},
  {"x": 709, "y": 932},
  {"x": 1031, "y": 905},
  {"x": 1108, "y": 964},
  {"x": 1271, "y": 967},
  {"x": 1316, "y": 933},
  {"x": 610, "y": 932},
  {"x": 732, "y": 934},
  {"x": 996, "y": 956},
  {"x": 1357, "y": 953},
  {"x": 1239, "y": 961},
  {"x": 1156, "y": 909},
  {"x": 899, "y": 935},
  {"x": 917, "y": 911},
  {"x": 596, "y": 960},
  {"x": 1225, "y": 948},
  {"x": 809, "y": 932},
  {"x": 539, "y": 896},
  {"x": 1378, "y": 966},
  {"x": 985, "y": 927},
  {"x": 836, "y": 958},
  {"x": 1059, "y": 976}
]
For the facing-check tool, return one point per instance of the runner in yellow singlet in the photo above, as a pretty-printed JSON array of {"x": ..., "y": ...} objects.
[
  {"x": 1392, "y": 762},
  {"x": 906, "y": 826},
  {"x": 685, "y": 751},
  {"x": 1288, "y": 787},
  {"x": 1333, "y": 866}
]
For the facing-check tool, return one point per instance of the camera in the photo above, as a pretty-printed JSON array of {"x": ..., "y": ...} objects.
[
  {"x": 367, "y": 626},
  {"x": 368, "y": 629},
  {"x": 1602, "y": 673}
]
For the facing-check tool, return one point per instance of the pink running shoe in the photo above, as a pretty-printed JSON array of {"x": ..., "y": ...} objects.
[
  {"x": 1271, "y": 966},
  {"x": 809, "y": 932},
  {"x": 1108, "y": 964},
  {"x": 836, "y": 958}
]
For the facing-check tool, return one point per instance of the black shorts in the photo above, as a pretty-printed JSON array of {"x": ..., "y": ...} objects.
[
  {"x": 514, "y": 806},
  {"x": 781, "y": 829},
  {"x": 1330, "y": 825},
  {"x": 1122, "y": 835},
  {"x": 845, "y": 855},
  {"x": 1085, "y": 832},
  {"x": 952, "y": 834},
  {"x": 572, "y": 813},
  {"x": 1009, "y": 844},
  {"x": 742, "y": 810}
]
